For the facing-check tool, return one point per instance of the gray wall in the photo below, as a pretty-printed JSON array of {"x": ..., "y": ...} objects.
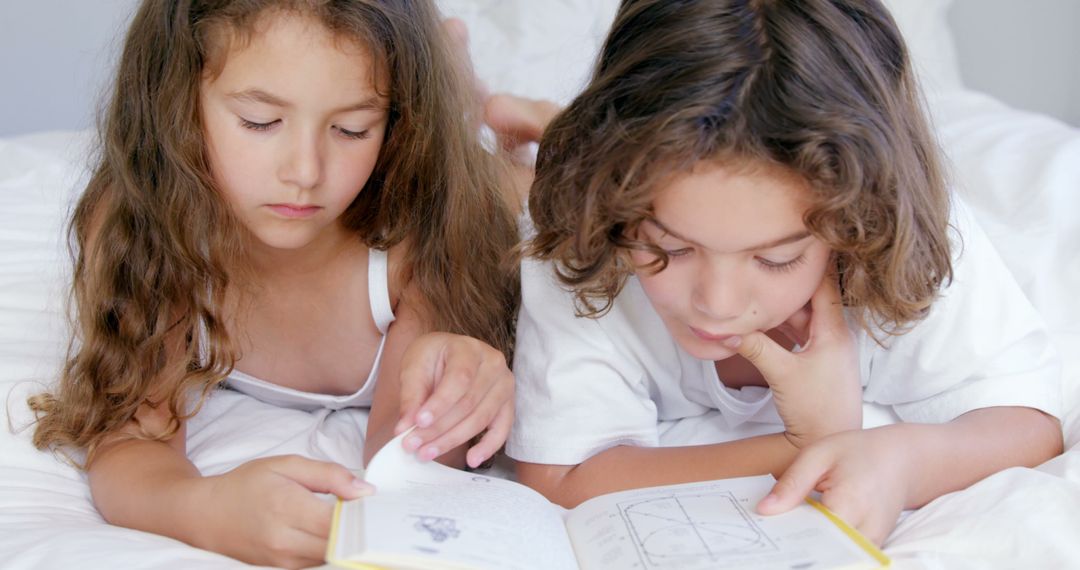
[
  {"x": 55, "y": 59},
  {"x": 56, "y": 56},
  {"x": 1024, "y": 52}
]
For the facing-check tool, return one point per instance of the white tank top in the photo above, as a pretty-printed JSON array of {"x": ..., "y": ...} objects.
[{"x": 383, "y": 313}]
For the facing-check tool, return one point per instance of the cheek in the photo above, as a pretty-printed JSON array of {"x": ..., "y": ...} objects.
[
  {"x": 358, "y": 168},
  {"x": 666, "y": 290},
  {"x": 237, "y": 179},
  {"x": 782, "y": 302},
  {"x": 234, "y": 162},
  {"x": 792, "y": 292},
  {"x": 353, "y": 169}
]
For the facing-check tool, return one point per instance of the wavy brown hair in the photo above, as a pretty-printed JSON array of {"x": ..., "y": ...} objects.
[
  {"x": 155, "y": 247},
  {"x": 823, "y": 88}
]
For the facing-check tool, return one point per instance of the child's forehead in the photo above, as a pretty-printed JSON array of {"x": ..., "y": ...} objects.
[
  {"x": 288, "y": 52},
  {"x": 277, "y": 32},
  {"x": 732, "y": 198},
  {"x": 727, "y": 174}
]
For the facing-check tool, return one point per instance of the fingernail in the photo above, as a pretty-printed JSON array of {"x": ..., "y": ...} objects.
[
  {"x": 429, "y": 453},
  {"x": 424, "y": 418},
  {"x": 732, "y": 342},
  {"x": 363, "y": 488},
  {"x": 474, "y": 458},
  {"x": 413, "y": 443}
]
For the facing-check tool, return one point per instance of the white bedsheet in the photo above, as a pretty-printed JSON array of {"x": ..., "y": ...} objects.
[{"x": 1020, "y": 172}]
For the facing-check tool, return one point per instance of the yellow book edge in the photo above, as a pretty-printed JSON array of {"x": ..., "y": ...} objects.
[
  {"x": 853, "y": 534},
  {"x": 331, "y": 545}
]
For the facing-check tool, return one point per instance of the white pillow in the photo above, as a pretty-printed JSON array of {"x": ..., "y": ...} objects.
[
  {"x": 547, "y": 49},
  {"x": 925, "y": 28},
  {"x": 542, "y": 50}
]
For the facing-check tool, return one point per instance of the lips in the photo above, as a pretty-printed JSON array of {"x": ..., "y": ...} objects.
[
  {"x": 709, "y": 336},
  {"x": 294, "y": 210}
]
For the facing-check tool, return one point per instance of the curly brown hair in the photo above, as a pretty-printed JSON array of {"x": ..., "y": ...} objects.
[
  {"x": 156, "y": 247},
  {"x": 823, "y": 88}
]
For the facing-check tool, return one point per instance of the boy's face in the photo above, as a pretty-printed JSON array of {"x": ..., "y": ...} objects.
[
  {"x": 741, "y": 259},
  {"x": 293, "y": 126}
]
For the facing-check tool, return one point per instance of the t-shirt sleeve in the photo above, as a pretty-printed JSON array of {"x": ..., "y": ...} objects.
[
  {"x": 577, "y": 393},
  {"x": 982, "y": 345}
]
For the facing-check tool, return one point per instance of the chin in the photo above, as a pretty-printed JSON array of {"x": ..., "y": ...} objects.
[
  {"x": 704, "y": 350},
  {"x": 284, "y": 242}
]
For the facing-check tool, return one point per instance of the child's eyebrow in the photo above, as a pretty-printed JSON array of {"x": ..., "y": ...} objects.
[
  {"x": 372, "y": 103},
  {"x": 791, "y": 238}
]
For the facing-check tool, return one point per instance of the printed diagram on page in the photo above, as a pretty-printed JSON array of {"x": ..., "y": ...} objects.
[
  {"x": 439, "y": 529},
  {"x": 683, "y": 529}
]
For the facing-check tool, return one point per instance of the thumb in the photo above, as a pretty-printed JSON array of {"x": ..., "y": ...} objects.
[
  {"x": 322, "y": 477},
  {"x": 795, "y": 484},
  {"x": 771, "y": 359}
]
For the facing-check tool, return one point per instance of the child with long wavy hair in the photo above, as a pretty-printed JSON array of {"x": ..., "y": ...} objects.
[
  {"x": 743, "y": 236},
  {"x": 286, "y": 201}
]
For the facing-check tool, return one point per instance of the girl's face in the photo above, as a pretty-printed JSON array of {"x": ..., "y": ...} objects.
[
  {"x": 293, "y": 127},
  {"x": 741, "y": 259}
]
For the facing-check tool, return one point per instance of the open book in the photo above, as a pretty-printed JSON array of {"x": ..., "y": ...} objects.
[{"x": 426, "y": 515}]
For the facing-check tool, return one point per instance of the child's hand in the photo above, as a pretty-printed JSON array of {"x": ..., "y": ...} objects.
[
  {"x": 517, "y": 122},
  {"x": 266, "y": 512},
  {"x": 864, "y": 477},
  {"x": 452, "y": 388},
  {"x": 817, "y": 391}
]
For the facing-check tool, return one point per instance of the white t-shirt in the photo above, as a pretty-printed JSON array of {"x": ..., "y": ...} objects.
[{"x": 585, "y": 385}]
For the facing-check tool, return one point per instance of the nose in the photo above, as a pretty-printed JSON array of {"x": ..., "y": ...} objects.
[
  {"x": 302, "y": 163},
  {"x": 719, "y": 295}
]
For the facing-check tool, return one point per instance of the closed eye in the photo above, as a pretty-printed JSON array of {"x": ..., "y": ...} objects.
[
  {"x": 681, "y": 252},
  {"x": 781, "y": 266},
  {"x": 355, "y": 135},
  {"x": 258, "y": 126}
]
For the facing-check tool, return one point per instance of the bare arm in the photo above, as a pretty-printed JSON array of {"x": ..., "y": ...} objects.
[
  {"x": 263, "y": 512},
  {"x": 945, "y": 458},
  {"x": 385, "y": 409},
  {"x": 628, "y": 467},
  {"x": 136, "y": 483},
  {"x": 868, "y": 476},
  {"x": 952, "y": 456},
  {"x": 143, "y": 484},
  {"x": 452, "y": 387}
]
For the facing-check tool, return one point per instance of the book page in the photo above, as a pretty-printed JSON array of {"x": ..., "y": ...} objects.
[
  {"x": 425, "y": 511},
  {"x": 707, "y": 525}
]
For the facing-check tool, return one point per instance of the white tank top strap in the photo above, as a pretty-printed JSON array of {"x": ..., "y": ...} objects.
[
  {"x": 379, "y": 289},
  {"x": 383, "y": 314}
]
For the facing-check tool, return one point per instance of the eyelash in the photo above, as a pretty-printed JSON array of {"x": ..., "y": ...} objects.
[
  {"x": 263, "y": 127},
  {"x": 354, "y": 135},
  {"x": 257, "y": 126},
  {"x": 767, "y": 265},
  {"x": 782, "y": 267}
]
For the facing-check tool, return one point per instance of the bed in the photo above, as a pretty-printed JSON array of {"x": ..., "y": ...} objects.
[{"x": 1019, "y": 171}]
